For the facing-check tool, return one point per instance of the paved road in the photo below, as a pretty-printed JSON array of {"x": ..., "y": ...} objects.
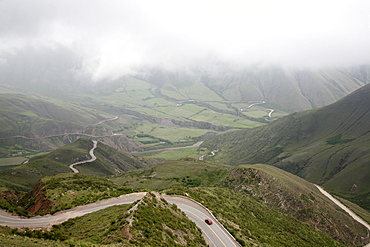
[
  {"x": 215, "y": 234},
  {"x": 93, "y": 158},
  {"x": 7, "y": 219}
]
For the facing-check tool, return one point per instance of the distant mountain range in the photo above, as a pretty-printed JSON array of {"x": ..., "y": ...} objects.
[
  {"x": 327, "y": 146},
  {"x": 286, "y": 89},
  {"x": 57, "y": 75}
]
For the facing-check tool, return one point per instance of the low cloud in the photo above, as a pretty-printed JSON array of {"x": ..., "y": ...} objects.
[{"x": 114, "y": 38}]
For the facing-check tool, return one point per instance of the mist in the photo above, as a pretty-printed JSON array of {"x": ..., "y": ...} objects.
[{"x": 109, "y": 39}]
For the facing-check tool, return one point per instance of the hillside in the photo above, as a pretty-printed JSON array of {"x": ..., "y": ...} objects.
[
  {"x": 271, "y": 186},
  {"x": 327, "y": 146},
  {"x": 286, "y": 89},
  {"x": 61, "y": 192},
  {"x": 109, "y": 161},
  {"x": 30, "y": 125},
  {"x": 280, "y": 209},
  {"x": 292, "y": 195}
]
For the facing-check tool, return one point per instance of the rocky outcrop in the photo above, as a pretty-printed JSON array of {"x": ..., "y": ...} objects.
[{"x": 36, "y": 202}]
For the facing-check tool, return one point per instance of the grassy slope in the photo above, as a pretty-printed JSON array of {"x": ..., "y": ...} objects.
[
  {"x": 172, "y": 173},
  {"x": 292, "y": 195},
  {"x": 43, "y": 125},
  {"x": 254, "y": 223},
  {"x": 155, "y": 223},
  {"x": 268, "y": 185},
  {"x": 327, "y": 146},
  {"x": 66, "y": 191},
  {"x": 223, "y": 189},
  {"x": 109, "y": 161},
  {"x": 26, "y": 115},
  {"x": 23, "y": 177},
  {"x": 11, "y": 240}
]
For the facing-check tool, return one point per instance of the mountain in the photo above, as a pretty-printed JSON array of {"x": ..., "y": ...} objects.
[
  {"x": 327, "y": 146},
  {"x": 285, "y": 89},
  {"x": 33, "y": 124},
  {"x": 42, "y": 110}
]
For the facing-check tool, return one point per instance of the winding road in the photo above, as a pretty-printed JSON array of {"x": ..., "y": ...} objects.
[
  {"x": 93, "y": 158},
  {"x": 7, "y": 219},
  {"x": 262, "y": 102},
  {"x": 215, "y": 235}
]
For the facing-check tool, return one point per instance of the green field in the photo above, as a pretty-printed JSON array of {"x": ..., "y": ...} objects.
[
  {"x": 174, "y": 154},
  {"x": 173, "y": 134},
  {"x": 10, "y": 162}
]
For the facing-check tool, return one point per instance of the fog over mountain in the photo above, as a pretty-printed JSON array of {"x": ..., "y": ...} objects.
[{"x": 99, "y": 40}]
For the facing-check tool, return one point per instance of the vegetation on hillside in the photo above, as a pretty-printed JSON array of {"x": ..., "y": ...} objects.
[
  {"x": 223, "y": 189},
  {"x": 187, "y": 172},
  {"x": 152, "y": 222},
  {"x": 30, "y": 124},
  {"x": 327, "y": 146},
  {"x": 109, "y": 161},
  {"x": 292, "y": 195},
  {"x": 61, "y": 192},
  {"x": 253, "y": 223},
  {"x": 277, "y": 189},
  {"x": 25, "y": 176}
]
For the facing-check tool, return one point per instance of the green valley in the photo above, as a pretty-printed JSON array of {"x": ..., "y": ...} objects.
[{"x": 225, "y": 120}]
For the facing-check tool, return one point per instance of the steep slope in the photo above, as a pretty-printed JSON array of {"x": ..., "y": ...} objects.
[
  {"x": 292, "y": 195},
  {"x": 328, "y": 146}
]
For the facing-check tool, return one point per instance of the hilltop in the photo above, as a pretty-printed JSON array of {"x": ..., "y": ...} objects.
[{"x": 327, "y": 146}]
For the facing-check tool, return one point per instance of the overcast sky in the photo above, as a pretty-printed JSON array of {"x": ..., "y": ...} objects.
[{"x": 118, "y": 36}]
